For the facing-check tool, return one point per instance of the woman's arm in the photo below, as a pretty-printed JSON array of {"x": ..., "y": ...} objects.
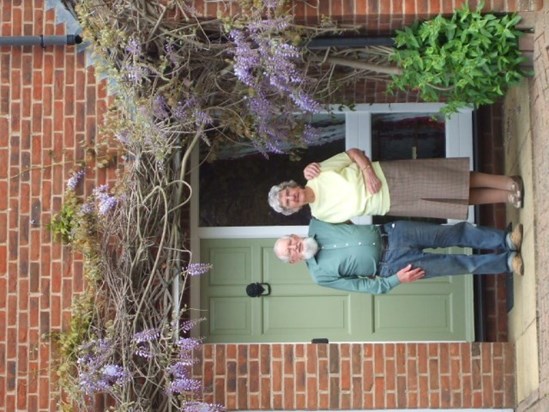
[
  {"x": 373, "y": 184},
  {"x": 311, "y": 171}
]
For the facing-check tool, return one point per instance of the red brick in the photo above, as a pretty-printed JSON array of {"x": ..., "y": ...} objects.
[
  {"x": 323, "y": 375},
  {"x": 265, "y": 359},
  {"x": 368, "y": 377},
  {"x": 410, "y": 7},
  {"x": 11, "y": 352},
  {"x": 276, "y": 376},
  {"x": 265, "y": 394},
  {"x": 34, "y": 312},
  {"x": 312, "y": 392},
  {"x": 379, "y": 393},
  {"x": 43, "y": 392},
  {"x": 55, "y": 311},
  {"x": 23, "y": 295},
  {"x": 345, "y": 375}
]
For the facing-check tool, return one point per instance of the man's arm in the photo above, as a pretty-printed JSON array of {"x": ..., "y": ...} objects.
[
  {"x": 373, "y": 184},
  {"x": 374, "y": 285}
]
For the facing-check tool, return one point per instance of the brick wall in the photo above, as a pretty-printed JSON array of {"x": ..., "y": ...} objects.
[
  {"x": 359, "y": 376},
  {"x": 49, "y": 104},
  {"x": 375, "y": 16}
]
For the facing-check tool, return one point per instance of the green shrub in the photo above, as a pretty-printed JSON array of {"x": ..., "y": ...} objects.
[
  {"x": 468, "y": 58},
  {"x": 63, "y": 223}
]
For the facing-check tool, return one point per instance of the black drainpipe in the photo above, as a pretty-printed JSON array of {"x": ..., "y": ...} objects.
[
  {"x": 42, "y": 41},
  {"x": 349, "y": 42}
]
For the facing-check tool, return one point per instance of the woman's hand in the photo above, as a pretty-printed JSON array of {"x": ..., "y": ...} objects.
[
  {"x": 373, "y": 184},
  {"x": 311, "y": 171}
]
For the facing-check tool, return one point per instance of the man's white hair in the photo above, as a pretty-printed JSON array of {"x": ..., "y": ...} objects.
[{"x": 274, "y": 200}]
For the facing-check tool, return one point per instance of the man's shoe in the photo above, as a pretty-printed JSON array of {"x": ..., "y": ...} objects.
[
  {"x": 517, "y": 265},
  {"x": 516, "y": 237}
]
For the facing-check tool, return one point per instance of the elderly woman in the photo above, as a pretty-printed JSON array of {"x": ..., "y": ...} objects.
[{"x": 349, "y": 184}]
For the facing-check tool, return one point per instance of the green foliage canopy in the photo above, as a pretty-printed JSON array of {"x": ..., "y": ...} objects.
[{"x": 468, "y": 58}]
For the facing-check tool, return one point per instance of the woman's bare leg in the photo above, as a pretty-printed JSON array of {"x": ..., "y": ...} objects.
[
  {"x": 483, "y": 196},
  {"x": 485, "y": 180}
]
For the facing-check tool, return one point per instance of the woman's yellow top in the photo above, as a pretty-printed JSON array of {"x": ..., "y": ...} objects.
[{"x": 341, "y": 194}]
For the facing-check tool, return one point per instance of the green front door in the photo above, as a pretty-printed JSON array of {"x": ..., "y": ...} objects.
[{"x": 298, "y": 310}]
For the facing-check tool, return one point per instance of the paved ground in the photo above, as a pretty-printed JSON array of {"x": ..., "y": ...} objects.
[{"x": 526, "y": 115}]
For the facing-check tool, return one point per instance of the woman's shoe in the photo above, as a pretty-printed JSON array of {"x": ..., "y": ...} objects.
[
  {"x": 517, "y": 192},
  {"x": 514, "y": 200}
]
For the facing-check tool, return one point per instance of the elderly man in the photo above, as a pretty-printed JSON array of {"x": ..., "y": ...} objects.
[{"x": 375, "y": 259}]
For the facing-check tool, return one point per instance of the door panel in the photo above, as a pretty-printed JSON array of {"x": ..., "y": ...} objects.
[
  {"x": 230, "y": 316},
  {"x": 298, "y": 310},
  {"x": 287, "y": 314}
]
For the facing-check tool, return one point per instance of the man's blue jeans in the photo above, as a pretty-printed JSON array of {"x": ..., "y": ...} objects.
[{"x": 406, "y": 241}]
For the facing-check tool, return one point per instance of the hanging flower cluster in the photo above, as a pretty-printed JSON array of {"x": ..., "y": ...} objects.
[
  {"x": 267, "y": 62},
  {"x": 73, "y": 181},
  {"x": 197, "y": 269},
  {"x": 96, "y": 371},
  {"x": 106, "y": 201}
]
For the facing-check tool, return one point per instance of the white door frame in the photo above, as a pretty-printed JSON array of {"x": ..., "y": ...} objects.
[{"x": 459, "y": 143}]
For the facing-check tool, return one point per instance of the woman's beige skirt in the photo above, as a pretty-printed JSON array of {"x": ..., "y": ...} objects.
[{"x": 435, "y": 188}]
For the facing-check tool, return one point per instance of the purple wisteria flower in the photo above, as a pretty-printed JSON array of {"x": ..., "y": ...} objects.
[
  {"x": 107, "y": 204},
  {"x": 134, "y": 47},
  {"x": 305, "y": 102},
  {"x": 136, "y": 74},
  {"x": 180, "y": 385},
  {"x": 271, "y": 4},
  {"x": 191, "y": 109},
  {"x": 146, "y": 335},
  {"x": 311, "y": 134},
  {"x": 194, "y": 406},
  {"x": 187, "y": 345},
  {"x": 266, "y": 62},
  {"x": 187, "y": 325},
  {"x": 181, "y": 368},
  {"x": 142, "y": 340},
  {"x": 114, "y": 374},
  {"x": 202, "y": 117},
  {"x": 75, "y": 179},
  {"x": 96, "y": 371},
  {"x": 160, "y": 107},
  {"x": 197, "y": 269},
  {"x": 171, "y": 54},
  {"x": 87, "y": 208},
  {"x": 144, "y": 352},
  {"x": 106, "y": 201},
  {"x": 102, "y": 379},
  {"x": 277, "y": 24}
]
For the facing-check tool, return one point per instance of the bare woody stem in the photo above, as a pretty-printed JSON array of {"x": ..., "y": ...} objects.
[{"x": 392, "y": 70}]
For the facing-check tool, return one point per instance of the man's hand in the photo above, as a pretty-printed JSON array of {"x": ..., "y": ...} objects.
[
  {"x": 407, "y": 274},
  {"x": 311, "y": 171}
]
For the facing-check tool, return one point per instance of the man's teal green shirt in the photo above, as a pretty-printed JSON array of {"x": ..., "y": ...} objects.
[{"x": 348, "y": 258}]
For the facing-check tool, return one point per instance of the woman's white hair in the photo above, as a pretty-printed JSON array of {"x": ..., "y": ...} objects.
[{"x": 274, "y": 200}]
